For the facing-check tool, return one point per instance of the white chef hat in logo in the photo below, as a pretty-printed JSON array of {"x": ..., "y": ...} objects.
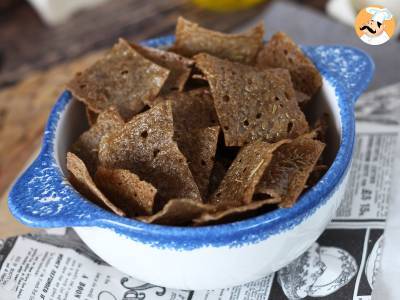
[{"x": 379, "y": 14}]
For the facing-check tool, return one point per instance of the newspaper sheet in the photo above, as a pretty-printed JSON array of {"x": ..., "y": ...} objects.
[{"x": 342, "y": 264}]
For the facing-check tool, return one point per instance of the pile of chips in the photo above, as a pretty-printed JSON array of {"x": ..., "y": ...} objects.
[{"x": 209, "y": 131}]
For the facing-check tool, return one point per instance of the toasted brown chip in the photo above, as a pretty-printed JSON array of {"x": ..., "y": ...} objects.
[
  {"x": 217, "y": 175},
  {"x": 178, "y": 212},
  {"x": 91, "y": 116},
  {"x": 134, "y": 196},
  {"x": 282, "y": 52},
  {"x": 87, "y": 146},
  {"x": 146, "y": 147},
  {"x": 199, "y": 148},
  {"x": 302, "y": 99},
  {"x": 233, "y": 214},
  {"x": 316, "y": 174},
  {"x": 192, "y": 39},
  {"x": 237, "y": 187},
  {"x": 321, "y": 128},
  {"x": 252, "y": 104},
  {"x": 83, "y": 182},
  {"x": 179, "y": 66},
  {"x": 191, "y": 110},
  {"x": 290, "y": 168},
  {"x": 122, "y": 78}
]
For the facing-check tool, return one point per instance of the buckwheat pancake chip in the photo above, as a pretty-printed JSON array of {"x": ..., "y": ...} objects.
[
  {"x": 282, "y": 52},
  {"x": 252, "y": 104},
  {"x": 180, "y": 67},
  {"x": 83, "y": 182},
  {"x": 145, "y": 146},
  {"x": 233, "y": 214},
  {"x": 191, "y": 110},
  {"x": 91, "y": 116},
  {"x": 237, "y": 187},
  {"x": 199, "y": 147},
  {"x": 178, "y": 212},
  {"x": 192, "y": 39},
  {"x": 134, "y": 196},
  {"x": 87, "y": 145},
  {"x": 290, "y": 168},
  {"x": 122, "y": 78}
]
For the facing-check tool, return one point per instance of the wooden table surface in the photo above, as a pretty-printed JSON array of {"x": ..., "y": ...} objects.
[{"x": 36, "y": 61}]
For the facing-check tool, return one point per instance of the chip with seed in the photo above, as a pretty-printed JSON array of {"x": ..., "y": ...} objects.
[
  {"x": 91, "y": 116},
  {"x": 233, "y": 214},
  {"x": 134, "y": 196},
  {"x": 178, "y": 212},
  {"x": 179, "y": 66},
  {"x": 191, "y": 110},
  {"x": 282, "y": 52},
  {"x": 122, "y": 78},
  {"x": 192, "y": 39},
  {"x": 146, "y": 147},
  {"x": 87, "y": 145},
  {"x": 83, "y": 182},
  {"x": 237, "y": 187},
  {"x": 199, "y": 146},
  {"x": 252, "y": 104},
  {"x": 290, "y": 167}
]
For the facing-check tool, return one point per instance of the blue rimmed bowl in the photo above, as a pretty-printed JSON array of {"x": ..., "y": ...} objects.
[{"x": 204, "y": 257}]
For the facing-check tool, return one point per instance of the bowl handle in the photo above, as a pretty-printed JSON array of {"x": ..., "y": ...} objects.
[
  {"x": 42, "y": 196},
  {"x": 349, "y": 69}
]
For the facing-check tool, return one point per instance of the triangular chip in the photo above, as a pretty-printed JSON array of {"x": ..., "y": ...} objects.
[
  {"x": 83, "y": 182},
  {"x": 179, "y": 66},
  {"x": 282, "y": 52},
  {"x": 237, "y": 187},
  {"x": 134, "y": 196},
  {"x": 91, "y": 116},
  {"x": 252, "y": 104},
  {"x": 192, "y": 39},
  {"x": 290, "y": 167},
  {"x": 87, "y": 145},
  {"x": 233, "y": 214},
  {"x": 122, "y": 78},
  {"x": 191, "y": 110},
  {"x": 178, "y": 212},
  {"x": 146, "y": 147},
  {"x": 199, "y": 148}
]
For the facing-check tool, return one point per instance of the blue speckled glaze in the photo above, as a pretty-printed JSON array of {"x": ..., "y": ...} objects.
[{"x": 42, "y": 197}]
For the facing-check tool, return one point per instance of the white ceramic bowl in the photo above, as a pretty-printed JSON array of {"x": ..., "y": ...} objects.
[{"x": 205, "y": 257}]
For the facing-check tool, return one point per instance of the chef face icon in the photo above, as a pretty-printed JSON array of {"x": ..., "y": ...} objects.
[{"x": 375, "y": 25}]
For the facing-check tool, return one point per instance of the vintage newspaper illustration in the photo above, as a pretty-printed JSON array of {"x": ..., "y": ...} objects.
[{"x": 342, "y": 264}]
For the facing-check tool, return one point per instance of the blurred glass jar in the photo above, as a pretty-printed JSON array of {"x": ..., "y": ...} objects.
[{"x": 226, "y": 5}]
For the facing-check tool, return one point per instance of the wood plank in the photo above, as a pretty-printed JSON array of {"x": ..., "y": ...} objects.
[{"x": 26, "y": 44}]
